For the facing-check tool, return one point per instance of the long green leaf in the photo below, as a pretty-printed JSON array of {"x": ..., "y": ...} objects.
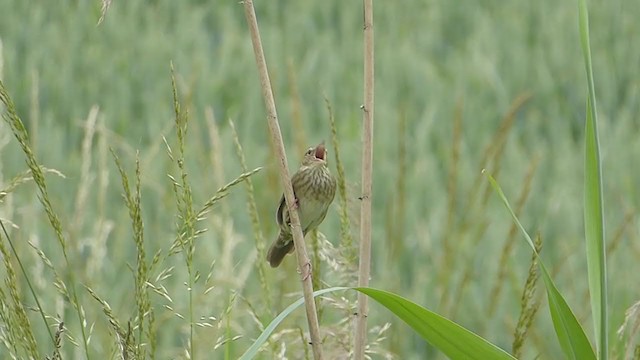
[
  {"x": 450, "y": 338},
  {"x": 593, "y": 205},
  {"x": 573, "y": 340}
]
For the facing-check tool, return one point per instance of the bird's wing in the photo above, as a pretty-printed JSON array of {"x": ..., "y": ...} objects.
[
  {"x": 282, "y": 216},
  {"x": 280, "y": 213}
]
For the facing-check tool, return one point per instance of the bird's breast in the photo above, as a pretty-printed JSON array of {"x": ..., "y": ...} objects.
[{"x": 310, "y": 211}]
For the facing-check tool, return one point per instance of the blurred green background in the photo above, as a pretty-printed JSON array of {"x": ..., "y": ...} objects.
[{"x": 439, "y": 233}]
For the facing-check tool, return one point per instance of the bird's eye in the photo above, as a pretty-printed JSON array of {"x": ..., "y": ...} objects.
[{"x": 309, "y": 151}]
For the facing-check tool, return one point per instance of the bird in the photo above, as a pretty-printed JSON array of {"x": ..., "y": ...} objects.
[{"x": 314, "y": 188}]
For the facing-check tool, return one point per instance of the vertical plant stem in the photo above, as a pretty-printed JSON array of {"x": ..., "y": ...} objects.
[
  {"x": 367, "y": 163},
  {"x": 255, "y": 220},
  {"x": 276, "y": 139},
  {"x": 346, "y": 240},
  {"x": 299, "y": 137},
  {"x": 448, "y": 258},
  {"x": 184, "y": 200}
]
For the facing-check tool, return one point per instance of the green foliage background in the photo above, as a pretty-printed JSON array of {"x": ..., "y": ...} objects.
[{"x": 438, "y": 235}]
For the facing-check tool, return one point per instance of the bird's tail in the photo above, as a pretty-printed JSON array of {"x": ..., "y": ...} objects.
[{"x": 281, "y": 247}]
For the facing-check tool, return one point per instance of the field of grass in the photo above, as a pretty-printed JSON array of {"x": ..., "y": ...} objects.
[{"x": 460, "y": 86}]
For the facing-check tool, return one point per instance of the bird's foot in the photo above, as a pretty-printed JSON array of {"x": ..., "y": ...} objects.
[{"x": 306, "y": 272}]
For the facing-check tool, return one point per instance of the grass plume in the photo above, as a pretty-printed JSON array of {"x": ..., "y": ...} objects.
[
  {"x": 252, "y": 208},
  {"x": 20, "y": 133},
  {"x": 529, "y": 303},
  {"x": 144, "y": 320}
]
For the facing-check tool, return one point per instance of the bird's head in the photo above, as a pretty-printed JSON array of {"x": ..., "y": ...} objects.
[{"x": 315, "y": 156}]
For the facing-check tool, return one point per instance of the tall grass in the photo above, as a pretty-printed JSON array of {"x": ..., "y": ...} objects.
[{"x": 453, "y": 72}]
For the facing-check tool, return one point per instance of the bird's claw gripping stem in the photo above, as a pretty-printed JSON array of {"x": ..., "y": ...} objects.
[
  {"x": 307, "y": 272},
  {"x": 296, "y": 204}
]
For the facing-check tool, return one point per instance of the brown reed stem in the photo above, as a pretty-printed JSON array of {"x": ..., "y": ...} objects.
[
  {"x": 365, "y": 197},
  {"x": 276, "y": 139}
]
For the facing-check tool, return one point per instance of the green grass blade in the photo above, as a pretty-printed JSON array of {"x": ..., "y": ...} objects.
[
  {"x": 255, "y": 347},
  {"x": 573, "y": 340},
  {"x": 593, "y": 206},
  {"x": 452, "y": 339}
]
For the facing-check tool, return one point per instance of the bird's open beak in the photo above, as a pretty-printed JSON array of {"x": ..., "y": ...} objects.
[{"x": 321, "y": 151}]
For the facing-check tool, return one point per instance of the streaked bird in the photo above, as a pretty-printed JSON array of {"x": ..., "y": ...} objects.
[{"x": 314, "y": 189}]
